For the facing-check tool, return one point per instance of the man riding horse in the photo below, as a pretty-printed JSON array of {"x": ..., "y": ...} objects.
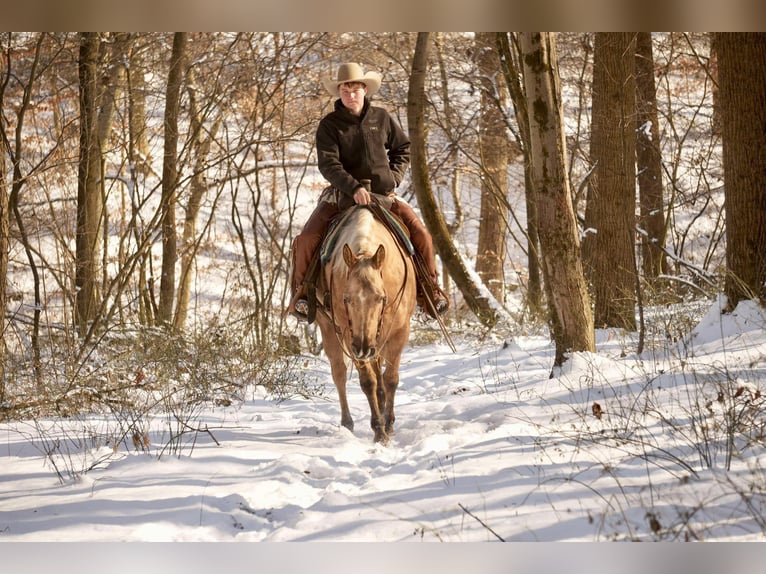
[{"x": 357, "y": 142}]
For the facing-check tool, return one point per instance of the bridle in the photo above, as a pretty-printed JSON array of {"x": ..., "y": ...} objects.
[{"x": 385, "y": 305}]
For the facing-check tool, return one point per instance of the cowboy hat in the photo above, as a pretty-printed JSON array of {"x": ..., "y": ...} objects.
[{"x": 352, "y": 72}]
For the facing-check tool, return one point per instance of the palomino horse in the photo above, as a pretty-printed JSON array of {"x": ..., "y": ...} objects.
[{"x": 368, "y": 287}]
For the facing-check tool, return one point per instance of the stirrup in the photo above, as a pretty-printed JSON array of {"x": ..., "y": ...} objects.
[
  {"x": 441, "y": 305},
  {"x": 301, "y": 310}
]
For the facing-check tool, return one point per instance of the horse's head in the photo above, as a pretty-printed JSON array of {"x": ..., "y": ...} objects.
[{"x": 364, "y": 298}]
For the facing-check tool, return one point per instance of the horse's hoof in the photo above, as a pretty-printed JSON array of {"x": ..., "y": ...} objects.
[
  {"x": 348, "y": 424},
  {"x": 382, "y": 438}
]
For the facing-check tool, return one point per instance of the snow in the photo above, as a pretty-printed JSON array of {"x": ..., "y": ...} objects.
[{"x": 491, "y": 444}]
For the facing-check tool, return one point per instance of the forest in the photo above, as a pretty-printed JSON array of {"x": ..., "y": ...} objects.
[
  {"x": 596, "y": 201},
  {"x": 153, "y": 182}
]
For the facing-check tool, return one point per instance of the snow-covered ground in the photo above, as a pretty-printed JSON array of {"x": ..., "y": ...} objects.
[{"x": 488, "y": 447}]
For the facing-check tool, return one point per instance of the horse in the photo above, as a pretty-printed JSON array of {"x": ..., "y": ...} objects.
[{"x": 367, "y": 292}]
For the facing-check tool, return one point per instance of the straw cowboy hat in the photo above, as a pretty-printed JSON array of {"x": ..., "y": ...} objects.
[{"x": 352, "y": 72}]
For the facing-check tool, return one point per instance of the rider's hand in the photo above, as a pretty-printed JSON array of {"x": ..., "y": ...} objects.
[{"x": 362, "y": 196}]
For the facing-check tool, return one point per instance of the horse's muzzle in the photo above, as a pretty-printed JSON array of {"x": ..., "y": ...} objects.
[{"x": 362, "y": 350}]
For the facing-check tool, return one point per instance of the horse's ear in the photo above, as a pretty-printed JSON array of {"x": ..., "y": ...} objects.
[
  {"x": 348, "y": 256},
  {"x": 379, "y": 256}
]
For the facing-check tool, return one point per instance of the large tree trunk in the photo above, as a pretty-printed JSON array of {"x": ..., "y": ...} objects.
[
  {"x": 570, "y": 315},
  {"x": 649, "y": 163},
  {"x": 493, "y": 155},
  {"x": 170, "y": 180},
  {"x": 610, "y": 213},
  {"x": 432, "y": 217},
  {"x": 742, "y": 84},
  {"x": 89, "y": 199}
]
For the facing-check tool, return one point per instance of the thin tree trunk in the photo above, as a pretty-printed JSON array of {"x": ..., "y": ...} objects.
[
  {"x": 453, "y": 159},
  {"x": 649, "y": 163},
  {"x": 170, "y": 180},
  {"x": 4, "y": 250},
  {"x": 494, "y": 151},
  {"x": 89, "y": 201},
  {"x": 197, "y": 188},
  {"x": 509, "y": 61},
  {"x": 570, "y": 314},
  {"x": 432, "y": 217}
]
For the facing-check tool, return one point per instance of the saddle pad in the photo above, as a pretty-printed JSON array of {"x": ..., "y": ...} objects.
[{"x": 393, "y": 224}]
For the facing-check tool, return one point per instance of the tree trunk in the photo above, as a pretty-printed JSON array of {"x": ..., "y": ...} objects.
[
  {"x": 649, "y": 163},
  {"x": 4, "y": 250},
  {"x": 432, "y": 217},
  {"x": 610, "y": 213},
  {"x": 138, "y": 154},
  {"x": 570, "y": 315},
  {"x": 453, "y": 159},
  {"x": 89, "y": 201},
  {"x": 201, "y": 141},
  {"x": 742, "y": 84},
  {"x": 512, "y": 70},
  {"x": 493, "y": 152},
  {"x": 170, "y": 180}
]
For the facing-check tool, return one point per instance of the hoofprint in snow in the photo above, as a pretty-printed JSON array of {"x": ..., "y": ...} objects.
[{"x": 491, "y": 444}]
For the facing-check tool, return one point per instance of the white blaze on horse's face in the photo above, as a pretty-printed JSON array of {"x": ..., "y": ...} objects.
[{"x": 364, "y": 299}]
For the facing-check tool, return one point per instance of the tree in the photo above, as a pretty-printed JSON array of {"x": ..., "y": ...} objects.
[
  {"x": 742, "y": 85},
  {"x": 89, "y": 205},
  {"x": 570, "y": 315},
  {"x": 512, "y": 71},
  {"x": 610, "y": 219},
  {"x": 201, "y": 142},
  {"x": 170, "y": 179},
  {"x": 432, "y": 216},
  {"x": 4, "y": 247},
  {"x": 493, "y": 153},
  {"x": 649, "y": 163}
]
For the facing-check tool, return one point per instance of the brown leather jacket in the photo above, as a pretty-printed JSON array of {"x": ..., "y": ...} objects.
[{"x": 369, "y": 146}]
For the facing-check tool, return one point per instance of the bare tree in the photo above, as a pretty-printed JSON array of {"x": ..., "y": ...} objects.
[
  {"x": 512, "y": 71},
  {"x": 649, "y": 163},
  {"x": 432, "y": 217},
  {"x": 4, "y": 247},
  {"x": 610, "y": 219},
  {"x": 170, "y": 179},
  {"x": 493, "y": 154},
  {"x": 570, "y": 315},
  {"x": 742, "y": 83},
  {"x": 453, "y": 154},
  {"x": 89, "y": 204},
  {"x": 201, "y": 142}
]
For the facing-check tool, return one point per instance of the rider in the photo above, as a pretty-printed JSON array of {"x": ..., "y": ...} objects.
[{"x": 355, "y": 142}]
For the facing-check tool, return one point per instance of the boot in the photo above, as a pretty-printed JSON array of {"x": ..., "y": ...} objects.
[{"x": 428, "y": 289}]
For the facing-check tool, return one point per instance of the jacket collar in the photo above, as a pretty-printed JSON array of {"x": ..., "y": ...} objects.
[{"x": 339, "y": 107}]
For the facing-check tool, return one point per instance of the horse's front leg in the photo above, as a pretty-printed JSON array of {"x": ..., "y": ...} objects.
[
  {"x": 345, "y": 413},
  {"x": 368, "y": 380},
  {"x": 390, "y": 382},
  {"x": 339, "y": 372}
]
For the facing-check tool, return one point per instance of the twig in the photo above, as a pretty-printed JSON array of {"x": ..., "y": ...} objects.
[{"x": 480, "y": 521}]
